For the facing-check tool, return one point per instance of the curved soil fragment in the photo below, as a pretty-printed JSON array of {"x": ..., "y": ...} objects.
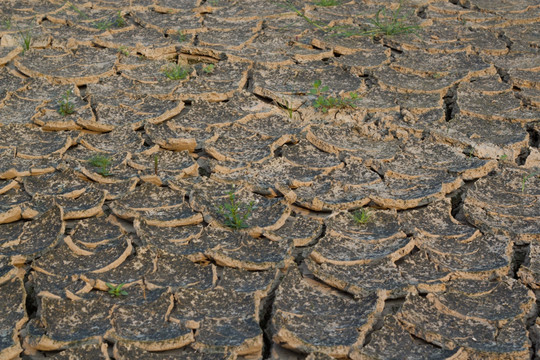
[
  {"x": 225, "y": 320},
  {"x": 254, "y": 213},
  {"x": 96, "y": 351},
  {"x": 506, "y": 204},
  {"x": 301, "y": 230},
  {"x": 146, "y": 326},
  {"x": 309, "y": 317},
  {"x": 347, "y": 242},
  {"x": 13, "y": 204},
  {"x": 122, "y": 138},
  {"x": 71, "y": 259},
  {"x": 38, "y": 237},
  {"x": 12, "y": 317},
  {"x": 393, "y": 340},
  {"x": 34, "y": 143},
  {"x": 86, "y": 65},
  {"x": 64, "y": 323},
  {"x": 479, "y": 338},
  {"x": 127, "y": 351},
  {"x": 174, "y": 272},
  {"x": 166, "y": 207},
  {"x": 12, "y": 166}
]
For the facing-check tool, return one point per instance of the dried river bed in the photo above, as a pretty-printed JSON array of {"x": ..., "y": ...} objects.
[{"x": 253, "y": 179}]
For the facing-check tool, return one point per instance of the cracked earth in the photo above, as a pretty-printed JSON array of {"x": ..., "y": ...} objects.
[{"x": 405, "y": 226}]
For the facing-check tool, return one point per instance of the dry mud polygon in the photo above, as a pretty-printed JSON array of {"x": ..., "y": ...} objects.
[{"x": 215, "y": 211}]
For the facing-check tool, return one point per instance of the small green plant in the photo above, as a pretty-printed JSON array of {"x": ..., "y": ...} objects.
[
  {"x": 116, "y": 290},
  {"x": 156, "y": 161},
  {"x": 26, "y": 39},
  {"x": 317, "y": 90},
  {"x": 235, "y": 213},
  {"x": 209, "y": 68},
  {"x": 102, "y": 162},
  {"x": 326, "y": 3},
  {"x": 122, "y": 49},
  {"x": 79, "y": 12},
  {"x": 7, "y": 24},
  {"x": 176, "y": 72},
  {"x": 65, "y": 106},
  {"x": 469, "y": 152},
  {"x": 119, "y": 20},
  {"x": 181, "y": 36},
  {"x": 324, "y": 102},
  {"x": 316, "y": 24},
  {"x": 503, "y": 158},
  {"x": 387, "y": 22},
  {"x": 287, "y": 106},
  {"x": 103, "y": 25},
  {"x": 362, "y": 216},
  {"x": 526, "y": 178},
  {"x": 436, "y": 75}
]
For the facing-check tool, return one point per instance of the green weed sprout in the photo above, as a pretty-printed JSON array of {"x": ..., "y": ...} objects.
[
  {"x": 102, "y": 162},
  {"x": 156, "y": 161},
  {"x": 181, "y": 36},
  {"x": 119, "y": 21},
  {"x": 324, "y": 103},
  {"x": 103, "y": 25},
  {"x": 78, "y": 11},
  {"x": 469, "y": 152},
  {"x": 235, "y": 213},
  {"x": 389, "y": 23},
  {"x": 66, "y": 107},
  {"x": 313, "y": 23},
  {"x": 385, "y": 22},
  {"x": 26, "y": 39},
  {"x": 326, "y": 3},
  {"x": 176, "y": 72},
  {"x": 526, "y": 178},
  {"x": 209, "y": 68},
  {"x": 7, "y": 24},
  {"x": 362, "y": 216},
  {"x": 287, "y": 106},
  {"x": 122, "y": 49},
  {"x": 116, "y": 290}
]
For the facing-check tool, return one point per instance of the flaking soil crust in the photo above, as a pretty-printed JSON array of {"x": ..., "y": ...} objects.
[{"x": 254, "y": 179}]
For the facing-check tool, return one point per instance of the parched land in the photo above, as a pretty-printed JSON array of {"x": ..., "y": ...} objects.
[{"x": 259, "y": 179}]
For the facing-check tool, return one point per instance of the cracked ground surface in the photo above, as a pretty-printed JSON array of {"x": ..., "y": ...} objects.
[{"x": 218, "y": 209}]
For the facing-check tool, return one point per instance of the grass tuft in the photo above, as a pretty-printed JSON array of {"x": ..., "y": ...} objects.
[
  {"x": 209, "y": 68},
  {"x": 66, "y": 107},
  {"x": 385, "y": 22},
  {"x": 102, "y": 162},
  {"x": 176, "y": 72},
  {"x": 324, "y": 102},
  {"x": 235, "y": 213},
  {"x": 26, "y": 39},
  {"x": 116, "y": 290},
  {"x": 362, "y": 216},
  {"x": 526, "y": 178},
  {"x": 326, "y": 3}
]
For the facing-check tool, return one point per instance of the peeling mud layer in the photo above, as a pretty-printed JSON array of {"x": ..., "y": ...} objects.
[{"x": 255, "y": 179}]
